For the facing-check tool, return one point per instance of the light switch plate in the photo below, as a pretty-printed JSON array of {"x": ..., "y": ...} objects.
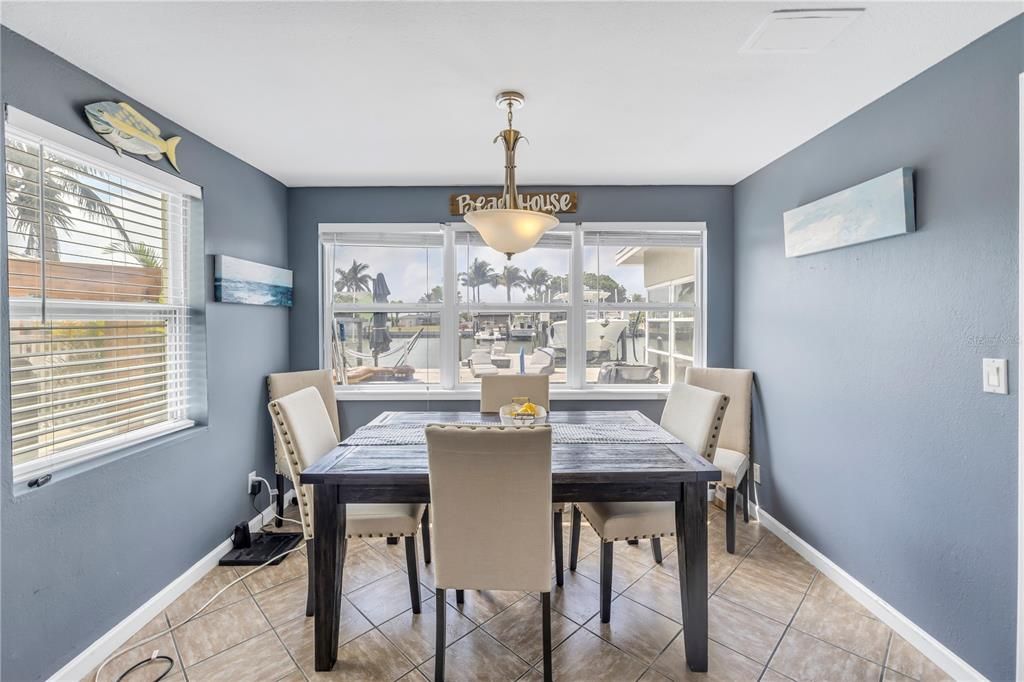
[{"x": 993, "y": 375}]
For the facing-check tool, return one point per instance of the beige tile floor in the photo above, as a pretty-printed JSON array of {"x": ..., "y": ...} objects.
[{"x": 772, "y": 617}]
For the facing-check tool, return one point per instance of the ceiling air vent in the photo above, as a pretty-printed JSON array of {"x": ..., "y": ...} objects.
[{"x": 799, "y": 30}]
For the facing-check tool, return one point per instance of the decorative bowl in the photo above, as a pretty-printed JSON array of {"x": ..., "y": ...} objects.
[{"x": 507, "y": 419}]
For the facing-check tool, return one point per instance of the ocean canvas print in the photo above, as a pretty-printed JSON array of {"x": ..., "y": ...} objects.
[
  {"x": 242, "y": 281},
  {"x": 875, "y": 209}
]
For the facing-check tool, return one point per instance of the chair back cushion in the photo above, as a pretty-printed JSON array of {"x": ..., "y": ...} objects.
[
  {"x": 283, "y": 383},
  {"x": 694, "y": 416},
  {"x": 480, "y": 356},
  {"x": 490, "y": 501},
  {"x": 738, "y": 385},
  {"x": 542, "y": 356},
  {"x": 304, "y": 432},
  {"x": 500, "y": 389}
]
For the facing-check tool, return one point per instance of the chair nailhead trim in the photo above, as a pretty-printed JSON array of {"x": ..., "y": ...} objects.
[{"x": 631, "y": 537}]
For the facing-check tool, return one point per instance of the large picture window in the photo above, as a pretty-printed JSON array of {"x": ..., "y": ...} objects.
[
  {"x": 98, "y": 293},
  {"x": 593, "y": 306}
]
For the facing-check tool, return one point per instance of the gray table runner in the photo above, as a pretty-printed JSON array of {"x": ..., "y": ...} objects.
[{"x": 413, "y": 434}]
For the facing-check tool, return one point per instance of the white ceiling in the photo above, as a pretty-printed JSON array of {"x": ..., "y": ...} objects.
[{"x": 389, "y": 93}]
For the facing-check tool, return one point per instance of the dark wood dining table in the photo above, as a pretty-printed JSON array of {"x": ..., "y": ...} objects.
[{"x": 592, "y": 472}]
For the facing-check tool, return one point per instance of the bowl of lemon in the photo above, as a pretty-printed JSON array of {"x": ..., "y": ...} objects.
[{"x": 521, "y": 412}]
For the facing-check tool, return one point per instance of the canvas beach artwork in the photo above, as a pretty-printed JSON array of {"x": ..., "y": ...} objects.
[
  {"x": 875, "y": 209},
  {"x": 242, "y": 281}
]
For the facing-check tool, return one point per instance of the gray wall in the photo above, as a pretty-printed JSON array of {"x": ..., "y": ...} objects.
[
  {"x": 877, "y": 444},
  {"x": 309, "y": 206},
  {"x": 82, "y": 553}
]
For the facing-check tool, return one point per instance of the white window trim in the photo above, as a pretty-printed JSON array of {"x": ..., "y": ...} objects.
[
  {"x": 54, "y": 137},
  {"x": 102, "y": 448},
  {"x": 60, "y": 139},
  {"x": 575, "y": 387}
]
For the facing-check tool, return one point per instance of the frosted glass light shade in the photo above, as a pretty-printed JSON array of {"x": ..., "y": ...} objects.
[{"x": 510, "y": 230}]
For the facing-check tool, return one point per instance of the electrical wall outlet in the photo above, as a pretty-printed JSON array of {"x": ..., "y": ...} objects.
[
  {"x": 250, "y": 482},
  {"x": 757, "y": 473}
]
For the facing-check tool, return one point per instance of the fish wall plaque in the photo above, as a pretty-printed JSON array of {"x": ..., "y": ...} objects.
[{"x": 129, "y": 131}]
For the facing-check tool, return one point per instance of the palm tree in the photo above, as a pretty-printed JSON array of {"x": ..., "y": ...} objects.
[
  {"x": 511, "y": 277},
  {"x": 480, "y": 273},
  {"x": 143, "y": 254},
  {"x": 537, "y": 280},
  {"x": 61, "y": 189},
  {"x": 354, "y": 279},
  {"x": 432, "y": 296}
]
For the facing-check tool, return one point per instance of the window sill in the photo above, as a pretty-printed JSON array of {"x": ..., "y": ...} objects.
[
  {"x": 473, "y": 393},
  {"x": 88, "y": 457}
]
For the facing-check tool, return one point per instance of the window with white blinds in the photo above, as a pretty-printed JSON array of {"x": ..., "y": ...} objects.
[{"x": 99, "y": 314}]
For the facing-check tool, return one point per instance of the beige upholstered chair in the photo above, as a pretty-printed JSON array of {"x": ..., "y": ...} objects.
[
  {"x": 504, "y": 474},
  {"x": 696, "y": 415},
  {"x": 496, "y": 391},
  {"x": 499, "y": 390},
  {"x": 303, "y": 426},
  {"x": 733, "y": 454},
  {"x": 284, "y": 383}
]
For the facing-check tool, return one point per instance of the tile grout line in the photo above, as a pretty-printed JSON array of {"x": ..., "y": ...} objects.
[
  {"x": 790, "y": 625},
  {"x": 650, "y": 666},
  {"x": 885, "y": 658},
  {"x": 233, "y": 646},
  {"x": 273, "y": 629},
  {"x": 447, "y": 643},
  {"x": 174, "y": 643}
]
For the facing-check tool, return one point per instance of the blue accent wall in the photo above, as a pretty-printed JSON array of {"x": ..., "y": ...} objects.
[
  {"x": 877, "y": 444},
  {"x": 80, "y": 554}
]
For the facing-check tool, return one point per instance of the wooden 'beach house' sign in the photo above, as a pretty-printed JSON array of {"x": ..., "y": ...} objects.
[{"x": 546, "y": 202}]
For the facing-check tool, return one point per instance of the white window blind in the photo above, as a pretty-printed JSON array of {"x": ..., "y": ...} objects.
[{"x": 97, "y": 261}]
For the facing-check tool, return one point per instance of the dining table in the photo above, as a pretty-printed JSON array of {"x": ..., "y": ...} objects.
[{"x": 596, "y": 456}]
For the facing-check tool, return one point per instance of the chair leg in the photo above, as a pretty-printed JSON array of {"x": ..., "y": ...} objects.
[
  {"x": 607, "y": 551},
  {"x": 556, "y": 522},
  {"x": 425, "y": 531},
  {"x": 545, "y": 602},
  {"x": 439, "y": 636},
  {"x": 730, "y": 520},
  {"x": 574, "y": 538},
  {"x": 746, "y": 497},
  {"x": 414, "y": 573},
  {"x": 279, "y": 483},
  {"x": 310, "y": 580},
  {"x": 460, "y": 596},
  {"x": 656, "y": 549}
]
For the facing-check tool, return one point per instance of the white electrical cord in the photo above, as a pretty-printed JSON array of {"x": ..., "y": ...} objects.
[
  {"x": 274, "y": 492},
  {"x": 201, "y": 609}
]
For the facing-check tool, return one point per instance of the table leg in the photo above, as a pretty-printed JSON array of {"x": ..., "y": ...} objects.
[
  {"x": 329, "y": 559},
  {"x": 692, "y": 547}
]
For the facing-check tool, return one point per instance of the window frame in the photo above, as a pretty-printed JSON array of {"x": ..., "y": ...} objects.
[
  {"x": 692, "y": 234},
  {"x": 179, "y": 315}
]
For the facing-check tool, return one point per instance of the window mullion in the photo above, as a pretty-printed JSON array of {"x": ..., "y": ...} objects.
[
  {"x": 575, "y": 353},
  {"x": 449, "y": 312},
  {"x": 42, "y": 235}
]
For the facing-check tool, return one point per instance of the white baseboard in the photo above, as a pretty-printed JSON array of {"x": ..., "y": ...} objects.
[
  {"x": 952, "y": 664},
  {"x": 82, "y": 664}
]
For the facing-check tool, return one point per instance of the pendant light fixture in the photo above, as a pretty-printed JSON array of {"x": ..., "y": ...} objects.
[{"x": 509, "y": 228}]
